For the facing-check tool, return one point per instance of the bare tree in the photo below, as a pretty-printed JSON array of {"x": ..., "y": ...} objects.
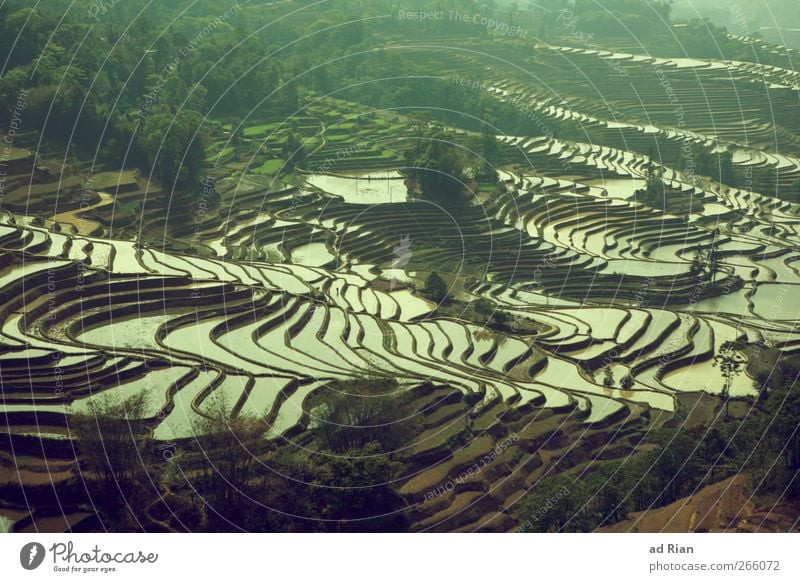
[
  {"x": 224, "y": 469},
  {"x": 115, "y": 459},
  {"x": 729, "y": 359},
  {"x": 608, "y": 377}
]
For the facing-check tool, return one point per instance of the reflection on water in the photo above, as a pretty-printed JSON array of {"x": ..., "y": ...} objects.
[
  {"x": 312, "y": 255},
  {"x": 373, "y": 188}
]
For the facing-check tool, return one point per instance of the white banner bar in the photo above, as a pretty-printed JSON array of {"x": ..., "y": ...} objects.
[{"x": 389, "y": 557}]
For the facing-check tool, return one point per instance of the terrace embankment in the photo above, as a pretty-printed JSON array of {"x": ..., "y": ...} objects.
[{"x": 278, "y": 278}]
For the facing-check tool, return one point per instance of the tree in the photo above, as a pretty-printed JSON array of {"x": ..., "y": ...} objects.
[
  {"x": 289, "y": 97},
  {"x": 729, "y": 360},
  {"x": 114, "y": 458},
  {"x": 349, "y": 492},
  {"x": 654, "y": 192},
  {"x": 727, "y": 173},
  {"x": 436, "y": 287},
  {"x": 574, "y": 130},
  {"x": 765, "y": 180},
  {"x": 705, "y": 262},
  {"x": 608, "y": 496},
  {"x": 608, "y": 377},
  {"x": 699, "y": 263},
  {"x": 772, "y": 438},
  {"x": 237, "y": 139},
  {"x": 225, "y": 469},
  {"x": 713, "y": 263},
  {"x": 555, "y": 505},
  {"x": 486, "y": 146},
  {"x": 485, "y": 306},
  {"x": 175, "y": 147},
  {"x": 420, "y": 123},
  {"x": 784, "y": 430},
  {"x": 715, "y": 449},
  {"x": 626, "y": 383},
  {"x": 675, "y": 469},
  {"x": 23, "y": 34},
  {"x": 293, "y": 150},
  {"x": 713, "y": 256},
  {"x": 349, "y": 415},
  {"x": 439, "y": 172},
  {"x": 704, "y": 161}
]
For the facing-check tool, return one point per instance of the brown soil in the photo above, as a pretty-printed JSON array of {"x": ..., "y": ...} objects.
[{"x": 722, "y": 507}]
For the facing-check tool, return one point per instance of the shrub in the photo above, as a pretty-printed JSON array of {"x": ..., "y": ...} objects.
[{"x": 436, "y": 288}]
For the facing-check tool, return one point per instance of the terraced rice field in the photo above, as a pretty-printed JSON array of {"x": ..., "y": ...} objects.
[{"x": 292, "y": 284}]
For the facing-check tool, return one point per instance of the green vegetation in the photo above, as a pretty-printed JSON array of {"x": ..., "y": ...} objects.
[
  {"x": 175, "y": 151},
  {"x": 232, "y": 479},
  {"x": 486, "y": 147},
  {"x": 350, "y": 415},
  {"x": 436, "y": 288},
  {"x": 616, "y": 17},
  {"x": 730, "y": 362},
  {"x": 118, "y": 471},
  {"x": 608, "y": 377},
  {"x": 271, "y": 167},
  {"x": 437, "y": 166},
  {"x": 764, "y": 444},
  {"x": 370, "y": 273},
  {"x": 654, "y": 194}
]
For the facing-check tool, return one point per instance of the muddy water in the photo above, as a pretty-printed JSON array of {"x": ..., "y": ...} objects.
[{"x": 84, "y": 226}]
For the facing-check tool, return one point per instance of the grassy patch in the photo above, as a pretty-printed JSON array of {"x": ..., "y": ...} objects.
[
  {"x": 259, "y": 129},
  {"x": 223, "y": 154},
  {"x": 271, "y": 167}
]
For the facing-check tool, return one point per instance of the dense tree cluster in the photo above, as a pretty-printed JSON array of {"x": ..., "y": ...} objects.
[
  {"x": 230, "y": 478},
  {"x": 437, "y": 166},
  {"x": 436, "y": 288},
  {"x": 130, "y": 92},
  {"x": 616, "y": 17}
]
